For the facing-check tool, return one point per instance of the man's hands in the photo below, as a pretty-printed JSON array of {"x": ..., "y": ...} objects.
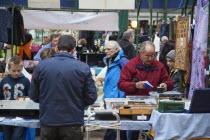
[
  {"x": 140, "y": 84},
  {"x": 164, "y": 86}
]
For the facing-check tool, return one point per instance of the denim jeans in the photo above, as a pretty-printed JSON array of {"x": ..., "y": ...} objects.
[
  {"x": 13, "y": 133},
  {"x": 133, "y": 134},
  {"x": 73, "y": 132}
]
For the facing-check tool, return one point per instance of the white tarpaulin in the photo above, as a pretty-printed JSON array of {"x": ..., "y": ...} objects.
[
  {"x": 107, "y": 4},
  {"x": 63, "y": 20},
  {"x": 44, "y": 3}
]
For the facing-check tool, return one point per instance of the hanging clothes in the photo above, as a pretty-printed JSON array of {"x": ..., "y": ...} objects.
[
  {"x": 18, "y": 28},
  {"x": 25, "y": 49},
  {"x": 199, "y": 46},
  {"x": 5, "y": 23},
  {"x": 25, "y": 52}
]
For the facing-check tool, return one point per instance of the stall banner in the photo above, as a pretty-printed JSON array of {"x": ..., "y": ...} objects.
[
  {"x": 66, "y": 20},
  {"x": 44, "y": 3},
  {"x": 181, "y": 50},
  {"x": 107, "y": 4}
]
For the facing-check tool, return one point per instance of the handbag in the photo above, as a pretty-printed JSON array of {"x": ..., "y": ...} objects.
[{"x": 35, "y": 48}]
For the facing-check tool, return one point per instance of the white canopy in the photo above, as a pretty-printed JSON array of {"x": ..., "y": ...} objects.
[{"x": 63, "y": 20}]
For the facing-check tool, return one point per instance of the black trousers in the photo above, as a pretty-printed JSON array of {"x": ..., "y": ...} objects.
[
  {"x": 13, "y": 133},
  {"x": 73, "y": 132}
]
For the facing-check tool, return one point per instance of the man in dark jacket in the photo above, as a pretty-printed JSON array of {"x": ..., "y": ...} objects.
[
  {"x": 126, "y": 44},
  {"x": 63, "y": 86}
]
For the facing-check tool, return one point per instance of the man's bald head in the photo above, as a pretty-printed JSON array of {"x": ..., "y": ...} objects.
[
  {"x": 147, "y": 46},
  {"x": 147, "y": 52}
]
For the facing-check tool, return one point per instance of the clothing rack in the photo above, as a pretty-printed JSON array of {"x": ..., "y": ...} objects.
[{"x": 6, "y": 4}]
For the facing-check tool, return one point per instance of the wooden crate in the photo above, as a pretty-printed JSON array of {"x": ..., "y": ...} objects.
[{"x": 136, "y": 109}]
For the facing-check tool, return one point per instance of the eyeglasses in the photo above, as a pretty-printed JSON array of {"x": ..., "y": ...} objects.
[{"x": 148, "y": 56}]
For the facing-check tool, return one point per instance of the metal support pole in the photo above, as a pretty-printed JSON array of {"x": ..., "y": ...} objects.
[
  {"x": 165, "y": 9},
  {"x": 137, "y": 28},
  {"x": 12, "y": 32},
  {"x": 76, "y": 4},
  {"x": 123, "y": 21},
  {"x": 42, "y": 36},
  {"x": 185, "y": 7},
  {"x": 150, "y": 7},
  {"x": 88, "y": 122}
]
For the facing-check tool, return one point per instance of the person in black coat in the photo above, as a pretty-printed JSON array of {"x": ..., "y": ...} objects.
[
  {"x": 169, "y": 45},
  {"x": 126, "y": 44},
  {"x": 82, "y": 46}
]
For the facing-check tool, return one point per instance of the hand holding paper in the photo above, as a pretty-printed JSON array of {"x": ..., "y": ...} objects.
[
  {"x": 143, "y": 84},
  {"x": 147, "y": 84}
]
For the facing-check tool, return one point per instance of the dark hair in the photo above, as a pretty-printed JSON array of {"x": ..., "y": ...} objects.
[
  {"x": 82, "y": 42},
  {"x": 66, "y": 43},
  {"x": 52, "y": 36},
  {"x": 169, "y": 45},
  {"x": 113, "y": 37},
  {"x": 127, "y": 35},
  {"x": 16, "y": 60},
  {"x": 47, "y": 53}
]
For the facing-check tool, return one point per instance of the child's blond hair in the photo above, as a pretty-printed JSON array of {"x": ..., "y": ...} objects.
[{"x": 16, "y": 60}]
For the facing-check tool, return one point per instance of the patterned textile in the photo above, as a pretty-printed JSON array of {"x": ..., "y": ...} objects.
[{"x": 199, "y": 46}]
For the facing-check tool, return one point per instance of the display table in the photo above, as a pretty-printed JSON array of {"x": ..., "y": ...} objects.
[
  {"x": 125, "y": 124},
  {"x": 32, "y": 123},
  {"x": 180, "y": 125},
  {"x": 91, "y": 58}
]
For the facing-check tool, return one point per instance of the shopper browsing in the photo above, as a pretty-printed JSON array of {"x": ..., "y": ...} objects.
[
  {"x": 12, "y": 87},
  {"x": 174, "y": 73},
  {"x": 169, "y": 45},
  {"x": 53, "y": 44},
  {"x": 47, "y": 53},
  {"x": 126, "y": 44},
  {"x": 143, "y": 68},
  {"x": 63, "y": 86},
  {"x": 114, "y": 61}
]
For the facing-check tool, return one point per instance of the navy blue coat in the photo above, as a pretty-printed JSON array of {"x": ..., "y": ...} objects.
[{"x": 63, "y": 86}]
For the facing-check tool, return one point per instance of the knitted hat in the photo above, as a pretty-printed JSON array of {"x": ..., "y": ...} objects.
[{"x": 171, "y": 54}]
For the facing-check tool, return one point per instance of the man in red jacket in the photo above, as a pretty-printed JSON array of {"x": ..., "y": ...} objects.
[{"x": 143, "y": 68}]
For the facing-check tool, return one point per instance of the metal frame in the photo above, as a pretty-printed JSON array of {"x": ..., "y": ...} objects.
[{"x": 88, "y": 125}]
